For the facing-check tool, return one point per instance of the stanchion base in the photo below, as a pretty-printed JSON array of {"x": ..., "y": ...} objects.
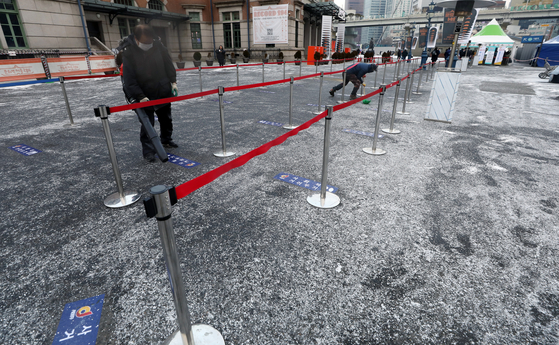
[
  {"x": 376, "y": 152},
  {"x": 224, "y": 154},
  {"x": 290, "y": 127},
  {"x": 114, "y": 200},
  {"x": 340, "y": 102},
  {"x": 417, "y": 93},
  {"x": 201, "y": 334},
  {"x": 409, "y": 102},
  {"x": 317, "y": 112},
  {"x": 70, "y": 125},
  {"x": 331, "y": 200},
  {"x": 391, "y": 131},
  {"x": 403, "y": 113}
]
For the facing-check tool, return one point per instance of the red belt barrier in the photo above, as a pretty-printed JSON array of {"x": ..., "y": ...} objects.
[
  {"x": 92, "y": 76},
  {"x": 161, "y": 101}
]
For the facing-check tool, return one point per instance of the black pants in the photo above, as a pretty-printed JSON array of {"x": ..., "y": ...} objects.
[
  {"x": 349, "y": 78},
  {"x": 165, "y": 124}
]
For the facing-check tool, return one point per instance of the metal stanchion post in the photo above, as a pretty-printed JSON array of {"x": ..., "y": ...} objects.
[
  {"x": 320, "y": 93},
  {"x": 362, "y": 90},
  {"x": 343, "y": 87},
  {"x": 408, "y": 100},
  {"x": 394, "y": 107},
  {"x": 200, "y": 76},
  {"x": 325, "y": 199},
  {"x": 376, "y": 74},
  {"x": 433, "y": 71},
  {"x": 419, "y": 82},
  {"x": 403, "y": 112},
  {"x": 300, "y": 66},
  {"x": 384, "y": 74},
  {"x": 290, "y": 125},
  {"x": 316, "y": 67},
  {"x": 284, "y": 70},
  {"x": 223, "y": 152},
  {"x": 398, "y": 72},
  {"x": 237, "y": 74},
  {"x": 263, "y": 72},
  {"x": 331, "y": 65},
  {"x": 374, "y": 151},
  {"x": 159, "y": 206},
  {"x": 67, "y": 103},
  {"x": 121, "y": 198}
]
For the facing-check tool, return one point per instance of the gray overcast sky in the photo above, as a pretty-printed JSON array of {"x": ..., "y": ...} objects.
[{"x": 340, "y": 3}]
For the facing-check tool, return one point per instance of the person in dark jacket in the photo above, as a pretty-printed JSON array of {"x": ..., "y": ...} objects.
[
  {"x": 220, "y": 53},
  {"x": 149, "y": 74},
  {"x": 354, "y": 74},
  {"x": 435, "y": 54},
  {"x": 405, "y": 54},
  {"x": 399, "y": 54}
]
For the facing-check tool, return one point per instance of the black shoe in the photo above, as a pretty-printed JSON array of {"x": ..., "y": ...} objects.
[
  {"x": 352, "y": 97},
  {"x": 170, "y": 144},
  {"x": 332, "y": 92},
  {"x": 150, "y": 157}
]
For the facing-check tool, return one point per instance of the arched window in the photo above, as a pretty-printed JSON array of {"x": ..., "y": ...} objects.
[
  {"x": 125, "y": 2},
  {"x": 155, "y": 5}
]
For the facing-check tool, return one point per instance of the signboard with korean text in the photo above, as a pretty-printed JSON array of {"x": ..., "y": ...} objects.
[
  {"x": 467, "y": 27},
  {"x": 532, "y": 39},
  {"x": 326, "y": 37},
  {"x": 303, "y": 182},
  {"x": 100, "y": 64},
  {"x": 25, "y": 150},
  {"x": 433, "y": 35},
  {"x": 183, "y": 162},
  {"x": 448, "y": 26},
  {"x": 21, "y": 69},
  {"x": 79, "y": 323},
  {"x": 500, "y": 55},
  {"x": 340, "y": 38},
  {"x": 490, "y": 55},
  {"x": 423, "y": 36},
  {"x": 65, "y": 66},
  {"x": 270, "y": 24}
]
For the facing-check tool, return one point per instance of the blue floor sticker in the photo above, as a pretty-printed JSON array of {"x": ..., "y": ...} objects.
[
  {"x": 25, "y": 150},
  {"x": 314, "y": 105},
  {"x": 303, "y": 182},
  {"x": 361, "y": 133},
  {"x": 79, "y": 322},
  {"x": 271, "y": 123},
  {"x": 183, "y": 162}
]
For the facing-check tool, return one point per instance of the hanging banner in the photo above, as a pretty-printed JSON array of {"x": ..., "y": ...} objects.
[
  {"x": 433, "y": 35},
  {"x": 500, "y": 54},
  {"x": 490, "y": 55},
  {"x": 21, "y": 69},
  {"x": 270, "y": 24},
  {"x": 340, "y": 38},
  {"x": 408, "y": 42},
  {"x": 423, "y": 37},
  {"x": 102, "y": 63},
  {"x": 448, "y": 26},
  {"x": 327, "y": 34},
  {"x": 65, "y": 66},
  {"x": 467, "y": 27},
  {"x": 414, "y": 42},
  {"x": 478, "y": 60}
]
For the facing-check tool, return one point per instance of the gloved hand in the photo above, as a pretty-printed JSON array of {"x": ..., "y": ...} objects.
[
  {"x": 145, "y": 99},
  {"x": 365, "y": 85},
  {"x": 175, "y": 89}
]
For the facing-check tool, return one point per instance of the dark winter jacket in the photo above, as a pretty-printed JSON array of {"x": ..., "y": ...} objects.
[
  {"x": 405, "y": 54},
  {"x": 148, "y": 73},
  {"x": 360, "y": 69},
  {"x": 220, "y": 54}
]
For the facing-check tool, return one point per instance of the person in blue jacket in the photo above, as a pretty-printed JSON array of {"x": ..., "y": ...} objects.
[{"x": 354, "y": 74}]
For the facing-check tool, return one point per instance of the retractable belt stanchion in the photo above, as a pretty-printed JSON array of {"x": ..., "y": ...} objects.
[
  {"x": 159, "y": 205},
  {"x": 320, "y": 93},
  {"x": 290, "y": 125},
  {"x": 283, "y": 69},
  {"x": 223, "y": 152},
  {"x": 408, "y": 100},
  {"x": 395, "y": 70},
  {"x": 362, "y": 90},
  {"x": 433, "y": 71},
  {"x": 376, "y": 74},
  {"x": 343, "y": 86},
  {"x": 316, "y": 67},
  {"x": 263, "y": 72},
  {"x": 373, "y": 150},
  {"x": 331, "y": 65},
  {"x": 237, "y": 74},
  {"x": 404, "y": 112},
  {"x": 419, "y": 82},
  {"x": 67, "y": 103},
  {"x": 120, "y": 198},
  {"x": 394, "y": 107},
  {"x": 325, "y": 199},
  {"x": 384, "y": 74},
  {"x": 398, "y": 72},
  {"x": 300, "y": 67}
]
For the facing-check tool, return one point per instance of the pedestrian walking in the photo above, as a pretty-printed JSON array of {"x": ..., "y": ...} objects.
[
  {"x": 435, "y": 54},
  {"x": 149, "y": 74},
  {"x": 220, "y": 54},
  {"x": 405, "y": 54},
  {"x": 354, "y": 74}
]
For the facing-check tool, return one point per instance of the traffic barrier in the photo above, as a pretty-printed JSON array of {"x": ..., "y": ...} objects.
[
  {"x": 343, "y": 86},
  {"x": 408, "y": 100},
  {"x": 404, "y": 112},
  {"x": 320, "y": 94},
  {"x": 391, "y": 130},
  {"x": 224, "y": 152},
  {"x": 200, "y": 77},
  {"x": 290, "y": 125},
  {"x": 419, "y": 82},
  {"x": 373, "y": 150}
]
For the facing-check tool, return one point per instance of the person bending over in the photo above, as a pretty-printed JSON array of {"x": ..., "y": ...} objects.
[{"x": 355, "y": 74}]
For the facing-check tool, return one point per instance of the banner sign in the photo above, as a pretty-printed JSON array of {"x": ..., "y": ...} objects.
[
  {"x": 532, "y": 39},
  {"x": 467, "y": 27},
  {"x": 61, "y": 67},
  {"x": 448, "y": 26},
  {"x": 433, "y": 35},
  {"x": 500, "y": 55},
  {"x": 443, "y": 96},
  {"x": 21, "y": 69},
  {"x": 423, "y": 36},
  {"x": 270, "y": 24},
  {"x": 340, "y": 38},
  {"x": 79, "y": 322},
  {"x": 25, "y": 150},
  {"x": 490, "y": 55},
  {"x": 478, "y": 60},
  {"x": 327, "y": 34},
  {"x": 303, "y": 182},
  {"x": 414, "y": 42},
  {"x": 408, "y": 43},
  {"x": 100, "y": 64}
]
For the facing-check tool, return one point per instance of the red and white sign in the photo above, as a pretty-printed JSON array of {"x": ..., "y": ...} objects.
[
  {"x": 65, "y": 66},
  {"x": 100, "y": 64},
  {"x": 21, "y": 69}
]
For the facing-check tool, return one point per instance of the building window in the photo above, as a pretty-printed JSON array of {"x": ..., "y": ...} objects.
[
  {"x": 132, "y": 24},
  {"x": 155, "y": 5},
  {"x": 232, "y": 31},
  {"x": 11, "y": 25},
  {"x": 297, "y": 13},
  {"x": 194, "y": 16},
  {"x": 123, "y": 2},
  {"x": 296, "y": 33},
  {"x": 122, "y": 27},
  {"x": 196, "y": 36}
]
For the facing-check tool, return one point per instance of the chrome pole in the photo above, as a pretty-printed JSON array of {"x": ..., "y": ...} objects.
[
  {"x": 66, "y": 101},
  {"x": 290, "y": 126},
  {"x": 120, "y": 198},
  {"x": 376, "y": 74},
  {"x": 263, "y": 72},
  {"x": 300, "y": 66},
  {"x": 419, "y": 82},
  {"x": 374, "y": 151},
  {"x": 384, "y": 74},
  {"x": 408, "y": 100},
  {"x": 343, "y": 86},
  {"x": 223, "y": 152},
  {"x": 394, "y": 107},
  {"x": 398, "y": 73},
  {"x": 200, "y": 76},
  {"x": 283, "y": 69},
  {"x": 395, "y": 71},
  {"x": 325, "y": 199},
  {"x": 237, "y": 74},
  {"x": 320, "y": 93},
  {"x": 403, "y": 112}
]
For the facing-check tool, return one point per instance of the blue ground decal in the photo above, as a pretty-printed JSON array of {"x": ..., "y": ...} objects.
[
  {"x": 353, "y": 131},
  {"x": 303, "y": 182},
  {"x": 25, "y": 150},
  {"x": 183, "y": 162},
  {"x": 314, "y": 105},
  {"x": 271, "y": 123},
  {"x": 79, "y": 322}
]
